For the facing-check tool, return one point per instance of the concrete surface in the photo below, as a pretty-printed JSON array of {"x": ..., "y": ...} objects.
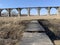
[
  {"x": 35, "y": 38},
  {"x": 34, "y": 26}
]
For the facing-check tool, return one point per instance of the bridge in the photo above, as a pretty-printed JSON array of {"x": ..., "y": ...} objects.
[{"x": 29, "y": 16}]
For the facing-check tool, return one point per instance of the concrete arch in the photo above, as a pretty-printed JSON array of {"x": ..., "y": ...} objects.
[
  {"x": 4, "y": 13},
  {"x": 14, "y": 12},
  {"x": 53, "y": 11},
  {"x": 43, "y": 11},
  {"x": 24, "y": 12},
  {"x": 33, "y": 12}
]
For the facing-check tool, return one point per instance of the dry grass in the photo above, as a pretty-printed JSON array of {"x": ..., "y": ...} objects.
[
  {"x": 54, "y": 26},
  {"x": 11, "y": 30},
  {"x": 57, "y": 42}
]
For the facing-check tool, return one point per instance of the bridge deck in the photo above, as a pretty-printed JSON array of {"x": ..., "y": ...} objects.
[{"x": 35, "y": 38}]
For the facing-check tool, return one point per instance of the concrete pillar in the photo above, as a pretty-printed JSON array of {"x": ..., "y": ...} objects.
[
  {"x": 49, "y": 10},
  {"x": 58, "y": 11},
  {"x": 0, "y": 11},
  {"x": 19, "y": 12},
  {"x": 9, "y": 12},
  {"x": 38, "y": 11},
  {"x": 28, "y": 11}
]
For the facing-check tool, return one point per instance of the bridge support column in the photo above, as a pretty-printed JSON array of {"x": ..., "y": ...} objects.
[
  {"x": 9, "y": 12},
  {"x": 38, "y": 11},
  {"x": 19, "y": 12},
  {"x": 0, "y": 11},
  {"x": 58, "y": 11},
  {"x": 28, "y": 11},
  {"x": 49, "y": 10}
]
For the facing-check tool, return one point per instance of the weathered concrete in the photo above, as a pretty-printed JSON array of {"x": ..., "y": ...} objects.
[
  {"x": 34, "y": 26},
  {"x": 35, "y": 38}
]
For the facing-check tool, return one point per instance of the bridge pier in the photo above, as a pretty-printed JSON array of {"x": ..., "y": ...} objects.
[
  {"x": 58, "y": 11},
  {"x": 38, "y": 11},
  {"x": 9, "y": 12},
  {"x": 28, "y": 11},
  {"x": 48, "y": 10},
  {"x": 19, "y": 12},
  {"x": 0, "y": 11}
]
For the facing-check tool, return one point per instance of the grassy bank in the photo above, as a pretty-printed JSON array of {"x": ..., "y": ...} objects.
[
  {"x": 11, "y": 30},
  {"x": 52, "y": 27}
]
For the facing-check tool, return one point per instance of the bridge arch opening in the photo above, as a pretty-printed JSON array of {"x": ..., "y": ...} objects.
[
  {"x": 33, "y": 12},
  {"x": 4, "y": 13},
  {"x": 14, "y": 12},
  {"x": 53, "y": 11},
  {"x": 24, "y": 12},
  {"x": 43, "y": 11}
]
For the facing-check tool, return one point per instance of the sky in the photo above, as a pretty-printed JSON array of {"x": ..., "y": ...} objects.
[{"x": 28, "y": 3}]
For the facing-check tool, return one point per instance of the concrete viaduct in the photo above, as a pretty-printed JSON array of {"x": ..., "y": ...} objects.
[{"x": 38, "y": 16}]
